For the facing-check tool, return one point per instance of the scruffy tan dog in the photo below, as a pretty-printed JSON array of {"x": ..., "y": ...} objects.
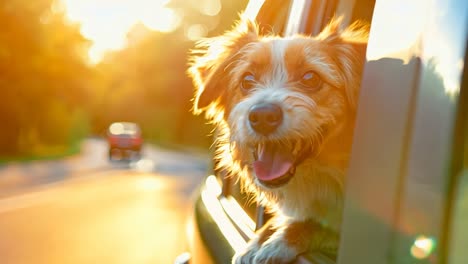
[{"x": 285, "y": 111}]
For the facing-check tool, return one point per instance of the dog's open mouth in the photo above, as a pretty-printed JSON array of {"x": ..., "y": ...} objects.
[{"x": 275, "y": 164}]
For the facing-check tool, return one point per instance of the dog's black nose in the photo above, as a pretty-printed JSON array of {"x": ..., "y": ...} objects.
[{"x": 265, "y": 118}]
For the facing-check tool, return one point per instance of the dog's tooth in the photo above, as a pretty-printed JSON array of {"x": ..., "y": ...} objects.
[
  {"x": 292, "y": 170},
  {"x": 297, "y": 147},
  {"x": 255, "y": 150}
]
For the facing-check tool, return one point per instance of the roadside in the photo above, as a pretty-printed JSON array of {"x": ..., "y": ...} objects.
[{"x": 20, "y": 176}]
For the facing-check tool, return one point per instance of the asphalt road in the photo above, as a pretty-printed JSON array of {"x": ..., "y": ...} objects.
[{"x": 105, "y": 213}]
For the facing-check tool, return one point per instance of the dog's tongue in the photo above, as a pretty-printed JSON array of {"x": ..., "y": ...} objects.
[{"x": 272, "y": 163}]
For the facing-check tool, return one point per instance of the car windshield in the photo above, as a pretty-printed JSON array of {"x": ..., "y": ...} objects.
[{"x": 123, "y": 128}]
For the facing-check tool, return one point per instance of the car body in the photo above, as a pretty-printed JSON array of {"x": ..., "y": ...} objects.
[
  {"x": 407, "y": 185},
  {"x": 125, "y": 141}
]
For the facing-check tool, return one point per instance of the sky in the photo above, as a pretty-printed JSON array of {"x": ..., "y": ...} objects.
[{"x": 107, "y": 22}]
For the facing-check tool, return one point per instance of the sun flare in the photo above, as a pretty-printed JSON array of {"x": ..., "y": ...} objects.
[{"x": 107, "y": 22}]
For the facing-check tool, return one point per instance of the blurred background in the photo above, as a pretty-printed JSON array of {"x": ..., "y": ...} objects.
[
  {"x": 68, "y": 68},
  {"x": 99, "y": 150}
]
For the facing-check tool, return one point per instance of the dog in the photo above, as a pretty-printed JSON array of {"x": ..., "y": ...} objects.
[{"x": 284, "y": 110}]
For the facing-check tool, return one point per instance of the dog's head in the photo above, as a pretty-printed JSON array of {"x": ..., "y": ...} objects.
[{"x": 279, "y": 100}]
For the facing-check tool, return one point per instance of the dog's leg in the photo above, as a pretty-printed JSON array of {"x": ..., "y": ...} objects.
[
  {"x": 247, "y": 256},
  {"x": 287, "y": 243}
]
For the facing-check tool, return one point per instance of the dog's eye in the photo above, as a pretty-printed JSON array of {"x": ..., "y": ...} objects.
[
  {"x": 311, "y": 80},
  {"x": 248, "y": 81}
]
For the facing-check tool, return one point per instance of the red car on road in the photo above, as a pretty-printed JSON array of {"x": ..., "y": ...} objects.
[{"x": 125, "y": 141}]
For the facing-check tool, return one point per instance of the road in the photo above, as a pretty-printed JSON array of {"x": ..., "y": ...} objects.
[{"x": 99, "y": 213}]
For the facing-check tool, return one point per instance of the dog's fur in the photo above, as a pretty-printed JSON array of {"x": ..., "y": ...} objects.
[{"x": 315, "y": 132}]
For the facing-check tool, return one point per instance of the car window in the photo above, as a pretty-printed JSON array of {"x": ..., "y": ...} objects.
[
  {"x": 363, "y": 10},
  {"x": 355, "y": 10},
  {"x": 273, "y": 16},
  {"x": 321, "y": 12}
]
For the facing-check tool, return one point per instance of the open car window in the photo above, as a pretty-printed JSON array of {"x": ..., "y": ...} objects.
[{"x": 273, "y": 18}]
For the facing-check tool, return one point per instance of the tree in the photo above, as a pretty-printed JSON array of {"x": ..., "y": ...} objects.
[{"x": 43, "y": 78}]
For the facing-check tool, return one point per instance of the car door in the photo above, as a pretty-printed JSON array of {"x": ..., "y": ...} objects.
[{"x": 407, "y": 154}]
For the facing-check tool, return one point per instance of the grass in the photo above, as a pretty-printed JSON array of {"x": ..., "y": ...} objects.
[{"x": 46, "y": 153}]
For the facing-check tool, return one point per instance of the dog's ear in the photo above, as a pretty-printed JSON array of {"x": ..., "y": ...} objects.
[
  {"x": 211, "y": 59},
  {"x": 349, "y": 48}
]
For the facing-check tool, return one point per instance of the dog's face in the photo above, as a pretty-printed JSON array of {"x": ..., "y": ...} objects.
[{"x": 280, "y": 99}]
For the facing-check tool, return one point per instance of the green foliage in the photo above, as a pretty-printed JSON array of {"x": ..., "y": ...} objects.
[
  {"x": 150, "y": 88},
  {"x": 147, "y": 82},
  {"x": 51, "y": 98},
  {"x": 42, "y": 80}
]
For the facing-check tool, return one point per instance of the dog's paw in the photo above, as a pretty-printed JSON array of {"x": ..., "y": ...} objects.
[
  {"x": 247, "y": 256},
  {"x": 275, "y": 251}
]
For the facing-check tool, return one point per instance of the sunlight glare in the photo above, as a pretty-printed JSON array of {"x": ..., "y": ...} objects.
[
  {"x": 425, "y": 36},
  {"x": 196, "y": 31},
  {"x": 210, "y": 7},
  {"x": 387, "y": 39},
  {"x": 143, "y": 165},
  {"x": 225, "y": 225},
  {"x": 233, "y": 208},
  {"x": 213, "y": 186},
  {"x": 163, "y": 19},
  {"x": 422, "y": 247},
  {"x": 107, "y": 22},
  {"x": 150, "y": 183},
  {"x": 252, "y": 9},
  {"x": 117, "y": 128}
]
